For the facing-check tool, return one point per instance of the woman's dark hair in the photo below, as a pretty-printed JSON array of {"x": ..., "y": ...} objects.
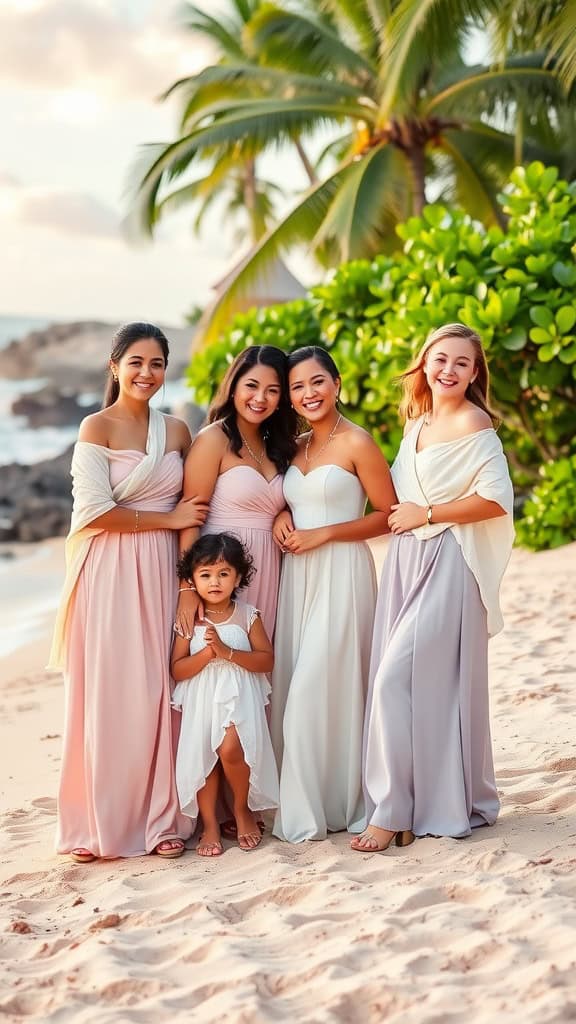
[
  {"x": 300, "y": 355},
  {"x": 125, "y": 337},
  {"x": 279, "y": 430},
  {"x": 217, "y": 547}
]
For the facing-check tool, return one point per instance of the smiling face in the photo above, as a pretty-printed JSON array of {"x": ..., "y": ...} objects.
[
  {"x": 257, "y": 394},
  {"x": 141, "y": 370},
  {"x": 216, "y": 582},
  {"x": 313, "y": 390},
  {"x": 450, "y": 366}
]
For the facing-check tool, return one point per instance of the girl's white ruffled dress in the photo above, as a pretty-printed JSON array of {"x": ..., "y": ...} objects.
[{"x": 224, "y": 694}]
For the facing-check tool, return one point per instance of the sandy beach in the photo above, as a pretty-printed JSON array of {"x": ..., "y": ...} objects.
[{"x": 482, "y": 929}]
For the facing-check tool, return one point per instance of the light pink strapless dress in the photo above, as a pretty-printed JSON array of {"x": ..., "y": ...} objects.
[
  {"x": 117, "y": 790},
  {"x": 245, "y": 504}
]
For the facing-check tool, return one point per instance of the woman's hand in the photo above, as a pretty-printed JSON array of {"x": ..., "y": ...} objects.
[
  {"x": 213, "y": 640},
  {"x": 188, "y": 610},
  {"x": 283, "y": 527},
  {"x": 406, "y": 516},
  {"x": 188, "y": 513},
  {"x": 300, "y": 541}
]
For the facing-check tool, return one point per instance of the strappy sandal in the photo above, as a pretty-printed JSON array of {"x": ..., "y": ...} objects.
[
  {"x": 229, "y": 829},
  {"x": 257, "y": 836},
  {"x": 172, "y": 848},
  {"x": 404, "y": 838}
]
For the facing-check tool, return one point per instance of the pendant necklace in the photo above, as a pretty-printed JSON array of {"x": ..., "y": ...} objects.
[
  {"x": 257, "y": 458},
  {"x": 307, "y": 457}
]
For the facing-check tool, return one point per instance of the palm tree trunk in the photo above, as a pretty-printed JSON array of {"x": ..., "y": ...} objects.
[
  {"x": 250, "y": 197},
  {"x": 312, "y": 176},
  {"x": 415, "y": 157}
]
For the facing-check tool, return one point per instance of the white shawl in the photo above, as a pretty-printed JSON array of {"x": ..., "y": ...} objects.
[
  {"x": 443, "y": 472},
  {"x": 94, "y": 495}
]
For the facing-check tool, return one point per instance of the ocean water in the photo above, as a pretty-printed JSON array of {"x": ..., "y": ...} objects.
[{"x": 18, "y": 442}]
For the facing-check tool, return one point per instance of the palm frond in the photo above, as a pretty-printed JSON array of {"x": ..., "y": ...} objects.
[
  {"x": 417, "y": 26},
  {"x": 291, "y": 41},
  {"x": 517, "y": 80},
  {"x": 355, "y": 22},
  {"x": 300, "y": 225},
  {"x": 223, "y": 31},
  {"x": 220, "y": 83},
  {"x": 561, "y": 37},
  {"x": 371, "y": 199}
]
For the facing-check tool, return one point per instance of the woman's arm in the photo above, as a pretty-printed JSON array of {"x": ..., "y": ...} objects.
[
  {"x": 201, "y": 470},
  {"x": 374, "y": 475},
  {"x": 259, "y": 659},
  {"x": 473, "y": 509},
  {"x": 184, "y": 665}
]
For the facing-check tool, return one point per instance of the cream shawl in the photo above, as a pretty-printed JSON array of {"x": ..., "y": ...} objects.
[
  {"x": 443, "y": 472},
  {"x": 94, "y": 495}
]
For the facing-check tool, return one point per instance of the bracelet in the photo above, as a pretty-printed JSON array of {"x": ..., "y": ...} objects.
[
  {"x": 429, "y": 515},
  {"x": 231, "y": 653},
  {"x": 137, "y": 513}
]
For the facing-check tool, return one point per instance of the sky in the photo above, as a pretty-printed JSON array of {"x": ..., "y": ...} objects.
[{"x": 79, "y": 88}]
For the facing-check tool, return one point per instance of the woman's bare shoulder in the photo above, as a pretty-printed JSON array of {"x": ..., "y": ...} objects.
[{"x": 95, "y": 429}]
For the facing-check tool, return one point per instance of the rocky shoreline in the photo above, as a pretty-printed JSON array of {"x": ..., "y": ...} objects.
[
  {"x": 36, "y": 501},
  {"x": 71, "y": 360}
]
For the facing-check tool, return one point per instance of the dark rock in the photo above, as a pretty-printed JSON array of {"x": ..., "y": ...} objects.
[
  {"x": 50, "y": 407},
  {"x": 75, "y": 355},
  {"x": 36, "y": 501}
]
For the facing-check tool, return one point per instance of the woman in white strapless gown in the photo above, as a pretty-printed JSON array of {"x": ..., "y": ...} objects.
[{"x": 325, "y": 608}]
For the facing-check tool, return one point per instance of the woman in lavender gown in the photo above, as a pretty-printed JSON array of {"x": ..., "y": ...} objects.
[{"x": 428, "y": 765}]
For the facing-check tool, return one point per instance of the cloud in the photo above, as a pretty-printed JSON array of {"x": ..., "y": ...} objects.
[
  {"x": 67, "y": 213},
  {"x": 90, "y": 44}
]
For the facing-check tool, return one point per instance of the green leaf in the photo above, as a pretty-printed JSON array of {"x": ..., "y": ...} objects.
[
  {"x": 547, "y": 352},
  {"x": 515, "y": 340},
  {"x": 565, "y": 319},
  {"x": 540, "y": 336},
  {"x": 568, "y": 355},
  {"x": 541, "y": 316},
  {"x": 565, "y": 274}
]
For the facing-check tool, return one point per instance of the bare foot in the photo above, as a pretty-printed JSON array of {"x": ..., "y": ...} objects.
[
  {"x": 373, "y": 840},
  {"x": 209, "y": 844}
]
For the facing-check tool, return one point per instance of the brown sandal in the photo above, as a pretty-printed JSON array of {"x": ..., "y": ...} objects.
[{"x": 170, "y": 850}]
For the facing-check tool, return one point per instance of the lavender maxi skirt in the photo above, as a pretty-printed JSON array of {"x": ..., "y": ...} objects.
[{"x": 427, "y": 751}]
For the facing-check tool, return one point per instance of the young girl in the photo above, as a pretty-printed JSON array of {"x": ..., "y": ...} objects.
[
  {"x": 222, "y": 692},
  {"x": 427, "y": 753}
]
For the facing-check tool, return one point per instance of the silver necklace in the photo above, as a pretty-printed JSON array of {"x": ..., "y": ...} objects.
[
  {"x": 257, "y": 458},
  {"x": 307, "y": 457}
]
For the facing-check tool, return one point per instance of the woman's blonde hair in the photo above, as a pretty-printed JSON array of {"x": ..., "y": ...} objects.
[{"x": 417, "y": 397}]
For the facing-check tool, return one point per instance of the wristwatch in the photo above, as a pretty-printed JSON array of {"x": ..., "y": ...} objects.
[{"x": 429, "y": 515}]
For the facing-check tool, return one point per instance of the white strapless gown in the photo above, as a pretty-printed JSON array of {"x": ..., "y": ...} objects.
[{"x": 322, "y": 654}]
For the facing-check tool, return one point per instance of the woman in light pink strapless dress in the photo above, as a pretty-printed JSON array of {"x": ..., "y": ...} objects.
[
  {"x": 117, "y": 794},
  {"x": 237, "y": 464}
]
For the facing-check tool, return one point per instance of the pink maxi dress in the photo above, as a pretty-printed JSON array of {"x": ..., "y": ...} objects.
[
  {"x": 117, "y": 792},
  {"x": 245, "y": 504}
]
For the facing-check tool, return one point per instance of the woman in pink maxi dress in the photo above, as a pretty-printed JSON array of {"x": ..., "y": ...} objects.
[
  {"x": 237, "y": 464},
  {"x": 117, "y": 794}
]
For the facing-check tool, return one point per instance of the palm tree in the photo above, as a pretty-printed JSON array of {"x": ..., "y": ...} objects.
[
  {"x": 407, "y": 113},
  {"x": 231, "y": 174}
]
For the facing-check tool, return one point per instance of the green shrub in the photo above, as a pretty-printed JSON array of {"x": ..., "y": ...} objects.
[
  {"x": 516, "y": 287},
  {"x": 549, "y": 517}
]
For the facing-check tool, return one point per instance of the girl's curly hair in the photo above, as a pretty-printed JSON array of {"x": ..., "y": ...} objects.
[{"x": 217, "y": 547}]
